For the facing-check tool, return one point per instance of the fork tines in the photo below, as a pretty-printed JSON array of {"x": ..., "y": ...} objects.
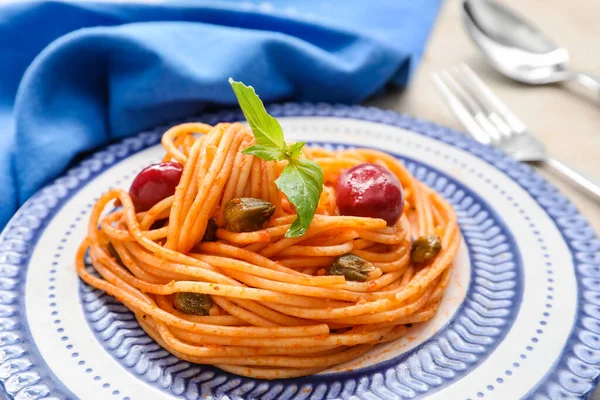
[{"x": 482, "y": 113}]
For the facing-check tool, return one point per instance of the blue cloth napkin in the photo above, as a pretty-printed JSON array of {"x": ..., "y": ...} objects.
[{"x": 74, "y": 76}]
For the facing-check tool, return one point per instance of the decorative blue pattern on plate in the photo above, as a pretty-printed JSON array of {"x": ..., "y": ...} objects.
[{"x": 24, "y": 374}]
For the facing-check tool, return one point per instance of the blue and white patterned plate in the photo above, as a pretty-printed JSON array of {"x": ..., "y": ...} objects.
[{"x": 520, "y": 319}]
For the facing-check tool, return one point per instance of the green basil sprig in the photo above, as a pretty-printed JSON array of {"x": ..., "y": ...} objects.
[{"x": 301, "y": 180}]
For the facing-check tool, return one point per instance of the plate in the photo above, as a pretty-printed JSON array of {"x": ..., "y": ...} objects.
[{"x": 521, "y": 317}]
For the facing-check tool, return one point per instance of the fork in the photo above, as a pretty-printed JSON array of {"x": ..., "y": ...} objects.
[{"x": 491, "y": 122}]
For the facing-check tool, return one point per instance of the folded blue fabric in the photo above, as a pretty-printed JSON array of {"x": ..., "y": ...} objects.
[{"x": 75, "y": 76}]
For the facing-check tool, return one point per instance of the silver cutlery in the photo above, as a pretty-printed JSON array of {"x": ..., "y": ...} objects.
[
  {"x": 519, "y": 50},
  {"x": 490, "y": 121}
]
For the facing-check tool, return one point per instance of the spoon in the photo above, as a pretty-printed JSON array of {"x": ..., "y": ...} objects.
[{"x": 519, "y": 50}]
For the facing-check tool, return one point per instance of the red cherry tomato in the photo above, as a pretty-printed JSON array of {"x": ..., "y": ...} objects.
[
  {"x": 154, "y": 183},
  {"x": 369, "y": 190}
]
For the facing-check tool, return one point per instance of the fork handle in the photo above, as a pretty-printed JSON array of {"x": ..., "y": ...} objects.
[{"x": 590, "y": 187}]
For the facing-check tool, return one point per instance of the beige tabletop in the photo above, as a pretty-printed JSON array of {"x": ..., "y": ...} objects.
[{"x": 567, "y": 122}]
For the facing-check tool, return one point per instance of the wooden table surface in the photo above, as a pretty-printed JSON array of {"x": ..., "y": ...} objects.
[{"x": 567, "y": 121}]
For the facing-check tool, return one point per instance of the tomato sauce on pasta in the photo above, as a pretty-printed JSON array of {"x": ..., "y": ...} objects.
[{"x": 275, "y": 311}]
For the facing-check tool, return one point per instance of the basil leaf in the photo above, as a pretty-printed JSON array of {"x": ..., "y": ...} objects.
[
  {"x": 302, "y": 182},
  {"x": 264, "y": 152},
  {"x": 295, "y": 150},
  {"x": 265, "y": 128}
]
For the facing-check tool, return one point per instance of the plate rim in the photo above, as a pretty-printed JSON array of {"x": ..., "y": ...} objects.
[{"x": 15, "y": 253}]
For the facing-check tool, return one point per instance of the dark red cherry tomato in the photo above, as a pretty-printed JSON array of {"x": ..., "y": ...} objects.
[
  {"x": 154, "y": 183},
  {"x": 369, "y": 190}
]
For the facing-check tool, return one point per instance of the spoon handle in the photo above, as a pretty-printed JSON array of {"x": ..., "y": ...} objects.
[
  {"x": 587, "y": 80},
  {"x": 592, "y": 188}
]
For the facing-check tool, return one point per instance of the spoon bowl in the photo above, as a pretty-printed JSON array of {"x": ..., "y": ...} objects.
[{"x": 516, "y": 48}]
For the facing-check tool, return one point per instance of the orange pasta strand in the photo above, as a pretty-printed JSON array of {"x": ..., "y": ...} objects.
[{"x": 275, "y": 313}]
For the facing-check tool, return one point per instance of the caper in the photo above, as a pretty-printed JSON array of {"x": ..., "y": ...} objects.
[
  {"x": 192, "y": 303},
  {"x": 246, "y": 214},
  {"x": 210, "y": 235},
  {"x": 425, "y": 248},
  {"x": 352, "y": 267}
]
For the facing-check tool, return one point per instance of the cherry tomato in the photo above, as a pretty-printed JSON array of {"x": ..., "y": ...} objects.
[
  {"x": 369, "y": 190},
  {"x": 154, "y": 183}
]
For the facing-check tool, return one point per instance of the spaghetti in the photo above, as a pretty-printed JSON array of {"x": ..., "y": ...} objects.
[{"x": 275, "y": 312}]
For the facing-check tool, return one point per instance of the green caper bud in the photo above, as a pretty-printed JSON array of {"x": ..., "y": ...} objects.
[
  {"x": 210, "y": 235},
  {"x": 425, "y": 248},
  {"x": 192, "y": 303},
  {"x": 113, "y": 252},
  {"x": 352, "y": 267},
  {"x": 246, "y": 214}
]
